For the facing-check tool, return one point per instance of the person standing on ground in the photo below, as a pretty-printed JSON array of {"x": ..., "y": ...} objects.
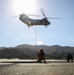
[
  {"x": 41, "y": 56},
  {"x": 69, "y": 57}
]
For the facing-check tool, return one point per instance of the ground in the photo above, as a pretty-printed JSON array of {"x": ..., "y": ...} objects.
[{"x": 49, "y": 68}]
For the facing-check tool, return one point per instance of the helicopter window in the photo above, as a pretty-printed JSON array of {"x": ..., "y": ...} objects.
[{"x": 45, "y": 20}]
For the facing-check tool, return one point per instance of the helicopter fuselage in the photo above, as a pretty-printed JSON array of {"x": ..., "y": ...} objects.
[{"x": 30, "y": 22}]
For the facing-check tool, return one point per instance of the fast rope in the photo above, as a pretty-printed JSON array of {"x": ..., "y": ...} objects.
[{"x": 35, "y": 38}]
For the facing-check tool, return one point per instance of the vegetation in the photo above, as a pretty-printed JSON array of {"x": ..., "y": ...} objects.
[{"x": 31, "y": 51}]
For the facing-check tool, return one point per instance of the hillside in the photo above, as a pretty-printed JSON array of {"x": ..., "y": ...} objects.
[{"x": 26, "y": 51}]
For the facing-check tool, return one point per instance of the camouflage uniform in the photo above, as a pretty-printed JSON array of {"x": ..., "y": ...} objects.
[{"x": 41, "y": 56}]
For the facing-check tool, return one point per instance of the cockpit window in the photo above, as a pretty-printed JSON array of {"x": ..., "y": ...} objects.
[{"x": 45, "y": 20}]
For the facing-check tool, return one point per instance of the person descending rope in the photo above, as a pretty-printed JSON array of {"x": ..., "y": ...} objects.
[{"x": 41, "y": 56}]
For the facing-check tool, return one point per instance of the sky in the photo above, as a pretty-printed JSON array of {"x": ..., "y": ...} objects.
[{"x": 13, "y": 32}]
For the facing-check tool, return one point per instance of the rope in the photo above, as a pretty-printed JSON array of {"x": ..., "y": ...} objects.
[{"x": 35, "y": 38}]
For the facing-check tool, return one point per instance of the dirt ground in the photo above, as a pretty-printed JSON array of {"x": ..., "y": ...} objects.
[{"x": 66, "y": 68}]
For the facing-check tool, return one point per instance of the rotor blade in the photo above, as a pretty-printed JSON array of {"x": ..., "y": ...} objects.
[
  {"x": 15, "y": 16},
  {"x": 33, "y": 15},
  {"x": 54, "y": 18},
  {"x": 42, "y": 11}
]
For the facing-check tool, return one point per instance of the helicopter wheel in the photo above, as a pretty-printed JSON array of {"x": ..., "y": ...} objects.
[{"x": 46, "y": 26}]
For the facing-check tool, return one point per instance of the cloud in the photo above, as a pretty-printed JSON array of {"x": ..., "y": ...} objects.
[{"x": 40, "y": 43}]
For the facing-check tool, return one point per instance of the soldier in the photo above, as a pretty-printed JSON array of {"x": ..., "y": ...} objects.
[
  {"x": 70, "y": 58},
  {"x": 41, "y": 56}
]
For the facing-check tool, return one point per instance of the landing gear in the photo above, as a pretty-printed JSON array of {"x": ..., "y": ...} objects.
[{"x": 46, "y": 26}]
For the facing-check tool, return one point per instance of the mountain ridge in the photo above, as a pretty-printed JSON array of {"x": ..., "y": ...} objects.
[{"x": 26, "y": 51}]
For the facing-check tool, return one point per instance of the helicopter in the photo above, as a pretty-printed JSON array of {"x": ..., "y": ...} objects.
[{"x": 31, "y": 22}]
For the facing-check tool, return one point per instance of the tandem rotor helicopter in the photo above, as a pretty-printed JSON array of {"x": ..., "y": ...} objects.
[{"x": 31, "y": 22}]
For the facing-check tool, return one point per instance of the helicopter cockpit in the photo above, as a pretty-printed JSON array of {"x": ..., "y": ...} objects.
[{"x": 45, "y": 20}]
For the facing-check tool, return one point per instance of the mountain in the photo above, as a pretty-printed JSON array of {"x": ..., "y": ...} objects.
[
  {"x": 12, "y": 53},
  {"x": 26, "y": 51}
]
